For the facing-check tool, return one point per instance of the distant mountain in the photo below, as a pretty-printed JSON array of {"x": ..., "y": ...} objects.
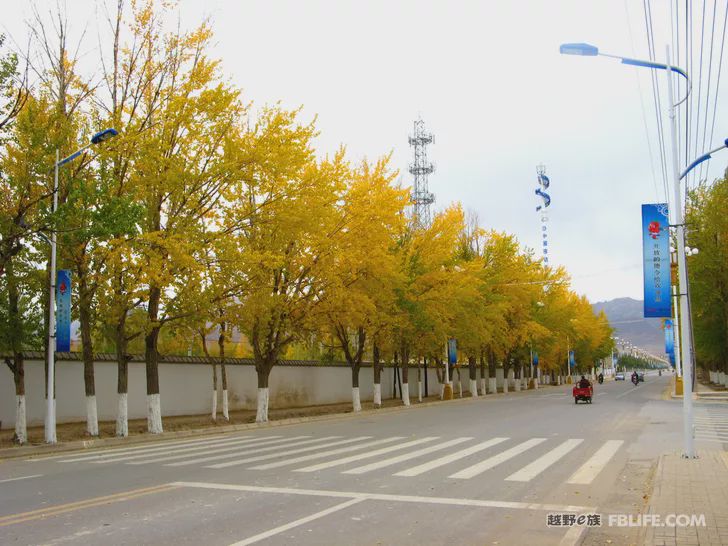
[{"x": 626, "y": 317}]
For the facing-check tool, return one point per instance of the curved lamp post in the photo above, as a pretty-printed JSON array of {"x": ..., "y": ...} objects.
[
  {"x": 50, "y": 426},
  {"x": 589, "y": 50}
]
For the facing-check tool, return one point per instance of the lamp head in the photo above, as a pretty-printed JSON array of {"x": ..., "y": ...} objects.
[
  {"x": 579, "y": 49},
  {"x": 106, "y": 134}
]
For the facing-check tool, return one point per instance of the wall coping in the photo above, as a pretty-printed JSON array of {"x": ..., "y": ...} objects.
[{"x": 180, "y": 359}]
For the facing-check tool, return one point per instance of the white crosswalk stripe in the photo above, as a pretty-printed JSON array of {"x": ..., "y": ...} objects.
[
  {"x": 304, "y": 458},
  {"x": 75, "y": 457},
  {"x": 528, "y": 472},
  {"x": 105, "y": 457},
  {"x": 284, "y": 453},
  {"x": 256, "y": 450},
  {"x": 711, "y": 426},
  {"x": 361, "y": 456},
  {"x": 256, "y": 443},
  {"x": 495, "y": 460},
  {"x": 590, "y": 469},
  {"x": 447, "y": 459},
  {"x": 405, "y": 457}
]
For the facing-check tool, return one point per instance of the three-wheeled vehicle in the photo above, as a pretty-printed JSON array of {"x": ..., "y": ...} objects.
[{"x": 582, "y": 394}]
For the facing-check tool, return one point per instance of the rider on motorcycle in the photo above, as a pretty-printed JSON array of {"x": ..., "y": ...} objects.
[
  {"x": 600, "y": 378},
  {"x": 635, "y": 377},
  {"x": 584, "y": 383}
]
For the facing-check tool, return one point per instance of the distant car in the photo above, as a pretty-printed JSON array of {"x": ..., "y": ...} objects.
[
  {"x": 641, "y": 376},
  {"x": 619, "y": 376}
]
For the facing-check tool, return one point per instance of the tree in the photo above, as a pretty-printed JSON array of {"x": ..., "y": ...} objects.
[
  {"x": 360, "y": 288},
  {"x": 285, "y": 209}
]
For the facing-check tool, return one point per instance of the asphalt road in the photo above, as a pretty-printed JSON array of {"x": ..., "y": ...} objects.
[{"x": 485, "y": 471}]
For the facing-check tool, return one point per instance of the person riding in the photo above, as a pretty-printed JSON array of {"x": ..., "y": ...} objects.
[
  {"x": 600, "y": 377},
  {"x": 584, "y": 383},
  {"x": 635, "y": 377}
]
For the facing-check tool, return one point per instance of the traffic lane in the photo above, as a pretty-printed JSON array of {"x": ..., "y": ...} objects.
[
  {"x": 505, "y": 416},
  {"x": 173, "y": 515}
]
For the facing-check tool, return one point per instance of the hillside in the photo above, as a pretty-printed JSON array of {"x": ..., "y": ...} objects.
[{"x": 625, "y": 316}]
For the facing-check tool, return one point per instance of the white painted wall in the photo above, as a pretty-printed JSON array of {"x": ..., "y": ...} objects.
[{"x": 185, "y": 389}]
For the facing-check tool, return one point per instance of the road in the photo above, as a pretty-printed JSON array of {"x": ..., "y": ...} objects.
[{"x": 485, "y": 471}]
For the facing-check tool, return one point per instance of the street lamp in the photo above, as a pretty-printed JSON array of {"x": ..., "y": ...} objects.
[
  {"x": 590, "y": 50},
  {"x": 50, "y": 428}
]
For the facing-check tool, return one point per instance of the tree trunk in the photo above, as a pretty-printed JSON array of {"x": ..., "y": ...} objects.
[
  {"x": 221, "y": 346},
  {"x": 377, "y": 376},
  {"x": 473, "y": 375},
  {"x": 84, "y": 315},
  {"x": 440, "y": 372},
  {"x": 419, "y": 381},
  {"x": 16, "y": 365},
  {"x": 263, "y": 369},
  {"x": 483, "y": 389},
  {"x": 122, "y": 378},
  {"x": 405, "y": 375},
  {"x": 151, "y": 358}
]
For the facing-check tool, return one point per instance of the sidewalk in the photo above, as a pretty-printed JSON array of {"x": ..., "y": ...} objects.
[{"x": 685, "y": 486}]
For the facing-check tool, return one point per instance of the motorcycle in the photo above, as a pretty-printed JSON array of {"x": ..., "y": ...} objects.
[
  {"x": 635, "y": 380},
  {"x": 600, "y": 379}
]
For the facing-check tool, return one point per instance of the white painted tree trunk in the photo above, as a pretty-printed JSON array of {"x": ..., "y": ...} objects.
[
  {"x": 122, "y": 415},
  {"x": 262, "y": 414},
  {"x": 154, "y": 414},
  {"x": 505, "y": 386},
  {"x": 225, "y": 406},
  {"x": 442, "y": 391},
  {"x": 460, "y": 388},
  {"x": 558, "y": 380},
  {"x": 492, "y": 385},
  {"x": 517, "y": 385},
  {"x": 405, "y": 394},
  {"x": 355, "y": 399},
  {"x": 377, "y": 395},
  {"x": 214, "y": 404},
  {"x": 474, "y": 388},
  {"x": 21, "y": 430},
  {"x": 92, "y": 418},
  {"x": 483, "y": 392},
  {"x": 419, "y": 391}
]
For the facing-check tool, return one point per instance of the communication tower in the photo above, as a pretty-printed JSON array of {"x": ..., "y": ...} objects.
[{"x": 420, "y": 170}]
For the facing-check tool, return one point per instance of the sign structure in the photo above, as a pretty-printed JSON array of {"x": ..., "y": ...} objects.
[
  {"x": 670, "y": 341},
  {"x": 656, "y": 256},
  {"x": 452, "y": 351},
  {"x": 572, "y": 360},
  {"x": 535, "y": 359},
  {"x": 63, "y": 311}
]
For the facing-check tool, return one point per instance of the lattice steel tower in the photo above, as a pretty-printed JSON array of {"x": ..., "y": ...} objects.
[{"x": 421, "y": 169}]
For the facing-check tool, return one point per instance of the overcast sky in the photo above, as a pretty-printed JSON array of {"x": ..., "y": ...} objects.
[{"x": 488, "y": 80}]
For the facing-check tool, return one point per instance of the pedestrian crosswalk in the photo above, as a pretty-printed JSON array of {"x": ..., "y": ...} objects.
[
  {"x": 711, "y": 424},
  {"x": 458, "y": 458}
]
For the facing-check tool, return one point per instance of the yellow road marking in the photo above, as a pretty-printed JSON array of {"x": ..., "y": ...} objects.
[{"x": 79, "y": 505}]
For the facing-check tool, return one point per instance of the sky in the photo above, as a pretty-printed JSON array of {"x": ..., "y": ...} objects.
[{"x": 488, "y": 81}]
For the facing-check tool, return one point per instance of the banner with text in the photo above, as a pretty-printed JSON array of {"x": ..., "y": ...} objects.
[
  {"x": 656, "y": 255},
  {"x": 63, "y": 311},
  {"x": 670, "y": 341}
]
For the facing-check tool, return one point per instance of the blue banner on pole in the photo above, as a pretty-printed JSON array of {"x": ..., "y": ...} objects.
[
  {"x": 63, "y": 311},
  {"x": 535, "y": 359},
  {"x": 572, "y": 361},
  {"x": 670, "y": 341},
  {"x": 452, "y": 351},
  {"x": 656, "y": 256}
]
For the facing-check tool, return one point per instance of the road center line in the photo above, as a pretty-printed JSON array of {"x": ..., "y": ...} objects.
[
  {"x": 296, "y": 523},
  {"x": 21, "y": 478},
  {"x": 389, "y": 498}
]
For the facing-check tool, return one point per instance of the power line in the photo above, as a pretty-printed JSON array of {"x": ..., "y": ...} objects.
[
  {"x": 717, "y": 86},
  {"x": 707, "y": 95}
]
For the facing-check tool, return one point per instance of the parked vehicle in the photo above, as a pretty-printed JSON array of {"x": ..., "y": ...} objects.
[{"x": 620, "y": 376}]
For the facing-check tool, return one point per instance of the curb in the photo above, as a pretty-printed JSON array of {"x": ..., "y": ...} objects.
[{"x": 79, "y": 445}]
